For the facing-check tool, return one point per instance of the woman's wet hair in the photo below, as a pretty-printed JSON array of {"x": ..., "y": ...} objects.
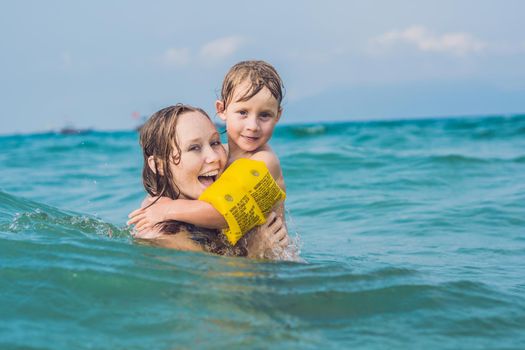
[
  {"x": 258, "y": 74},
  {"x": 158, "y": 138}
]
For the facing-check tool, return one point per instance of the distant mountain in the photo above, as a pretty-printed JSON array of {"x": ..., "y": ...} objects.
[{"x": 406, "y": 101}]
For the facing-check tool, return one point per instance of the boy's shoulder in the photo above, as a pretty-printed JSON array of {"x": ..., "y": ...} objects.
[{"x": 268, "y": 156}]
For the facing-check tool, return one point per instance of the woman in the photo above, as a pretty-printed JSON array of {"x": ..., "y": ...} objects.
[{"x": 183, "y": 155}]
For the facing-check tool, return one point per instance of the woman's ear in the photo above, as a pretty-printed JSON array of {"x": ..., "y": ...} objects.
[
  {"x": 153, "y": 165},
  {"x": 219, "y": 108}
]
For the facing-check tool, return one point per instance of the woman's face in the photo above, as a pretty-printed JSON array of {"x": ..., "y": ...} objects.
[{"x": 202, "y": 157}]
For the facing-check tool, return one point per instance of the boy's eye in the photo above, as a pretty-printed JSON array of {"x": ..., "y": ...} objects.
[
  {"x": 265, "y": 115},
  {"x": 243, "y": 113}
]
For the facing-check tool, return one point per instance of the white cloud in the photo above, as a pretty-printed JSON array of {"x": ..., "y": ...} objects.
[
  {"x": 454, "y": 43},
  {"x": 221, "y": 48},
  {"x": 176, "y": 57},
  {"x": 210, "y": 52}
]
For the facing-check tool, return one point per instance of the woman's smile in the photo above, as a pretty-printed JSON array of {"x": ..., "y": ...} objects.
[{"x": 209, "y": 177}]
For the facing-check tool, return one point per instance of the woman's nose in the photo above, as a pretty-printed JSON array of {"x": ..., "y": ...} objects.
[{"x": 211, "y": 155}]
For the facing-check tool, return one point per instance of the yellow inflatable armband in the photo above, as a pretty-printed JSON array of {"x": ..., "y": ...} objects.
[{"x": 244, "y": 194}]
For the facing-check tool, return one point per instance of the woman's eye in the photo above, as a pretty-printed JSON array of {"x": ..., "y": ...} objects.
[
  {"x": 194, "y": 148},
  {"x": 215, "y": 143}
]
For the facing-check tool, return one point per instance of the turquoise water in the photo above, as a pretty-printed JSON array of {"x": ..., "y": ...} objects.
[{"x": 413, "y": 233}]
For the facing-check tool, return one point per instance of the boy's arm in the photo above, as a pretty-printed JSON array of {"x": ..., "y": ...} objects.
[
  {"x": 274, "y": 166},
  {"x": 194, "y": 212}
]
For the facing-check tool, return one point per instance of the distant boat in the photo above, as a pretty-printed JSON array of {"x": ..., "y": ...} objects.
[
  {"x": 144, "y": 118},
  {"x": 68, "y": 130}
]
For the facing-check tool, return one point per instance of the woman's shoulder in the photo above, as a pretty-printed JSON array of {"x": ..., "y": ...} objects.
[{"x": 180, "y": 241}]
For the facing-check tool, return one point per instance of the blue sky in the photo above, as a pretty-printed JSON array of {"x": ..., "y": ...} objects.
[{"x": 96, "y": 63}]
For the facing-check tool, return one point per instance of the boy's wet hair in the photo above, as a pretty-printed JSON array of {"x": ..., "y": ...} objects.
[
  {"x": 158, "y": 138},
  {"x": 259, "y": 74}
]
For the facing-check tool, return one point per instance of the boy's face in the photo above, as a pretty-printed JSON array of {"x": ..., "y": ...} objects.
[{"x": 250, "y": 123}]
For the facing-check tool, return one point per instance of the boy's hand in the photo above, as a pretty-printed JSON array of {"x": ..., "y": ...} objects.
[
  {"x": 268, "y": 239},
  {"x": 146, "y": 217}
]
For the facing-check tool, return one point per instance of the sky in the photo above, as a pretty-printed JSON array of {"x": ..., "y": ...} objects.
[{"x": 106, "y": 64}]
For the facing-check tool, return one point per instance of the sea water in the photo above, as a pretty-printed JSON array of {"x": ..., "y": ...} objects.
[{"x": 412, "y": 235}]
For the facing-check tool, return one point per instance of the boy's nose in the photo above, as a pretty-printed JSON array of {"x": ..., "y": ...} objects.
[{"x": 251, "y": 124}]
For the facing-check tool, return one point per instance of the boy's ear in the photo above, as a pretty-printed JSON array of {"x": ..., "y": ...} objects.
[
  {"x": 279, "y": 113},
  {"x": 219, "y": 108},
  {"x": 153, "y": 167}
]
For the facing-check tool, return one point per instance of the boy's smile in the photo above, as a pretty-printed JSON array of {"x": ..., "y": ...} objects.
[
  {"x": 250, "y": 138},
  {"x": 250, "y": 123}
]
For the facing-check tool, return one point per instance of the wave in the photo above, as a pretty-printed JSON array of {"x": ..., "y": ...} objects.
[
  {"x": 462, "y": 159},
  {"x": 397, "y": 133},
  {"x": 343, "y": 295},
  {"x": 376, "y": 157},
  {"x": 298, "y": 131},
  {"x": 520, "y": 159},
  {"x": 19, "y": 215},
  {"x": 456, "y": 159}
]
